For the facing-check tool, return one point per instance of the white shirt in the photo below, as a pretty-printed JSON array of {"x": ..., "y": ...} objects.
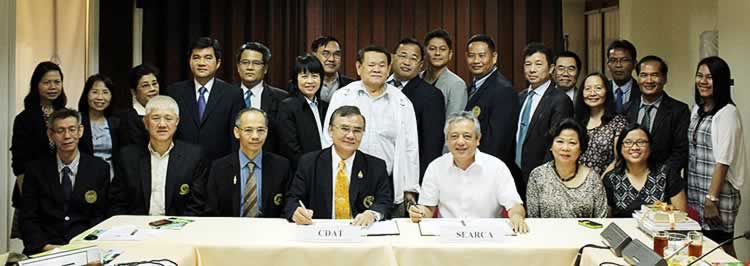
[
  {"x": 625, "y": 90},
  {"x": 728, "y": 143},
  {"x": 652, "y": 114},
  {"x": 571, "y": 94},
  {"x": 138, "y": 107},
  {"x": 208, "y": 86},
  {"x": 313, "y": 104},
  {"x": 73, "y": 168},
  {"x": 480, "y": 191},
  {"x": 538, "y": 94},
  {"x": 257, "y": 90},
  {"x": 390, "y": 132},
  {"x": 159, "y": 165}
]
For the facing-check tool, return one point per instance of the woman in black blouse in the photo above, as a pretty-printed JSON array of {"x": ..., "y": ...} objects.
[
  {"x": 637, "y": 180},
  {"x": 30, "y": 141}
]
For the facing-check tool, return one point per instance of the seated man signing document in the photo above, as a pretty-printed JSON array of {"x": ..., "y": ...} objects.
[
  {"x": 341, "y": 182},
  {"x": 467, "y": 182}
]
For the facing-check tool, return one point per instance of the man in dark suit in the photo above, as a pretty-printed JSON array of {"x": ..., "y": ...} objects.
[
  {"x": 208, "y": 104},
  {"x": 621, "y": 58},
  {"x": 566, "y": 72},
  {"x": 492, "y": 100},
  {"x": 165, "y": 176},
  {"x": 428, "y": 101},
  {"x": 543, "y": 107},
  {"x": 329, "y": 52},
  {"x": 666, "y": 119},
  {"x": 63, "y": 195},
  {"x": 253, "y": 59},
  {"x": 250, "y": 182},
  {"x": 341, "y": 182}
]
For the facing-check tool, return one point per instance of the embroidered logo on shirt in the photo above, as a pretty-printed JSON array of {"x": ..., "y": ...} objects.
[
  {"x": 90, "y": 196},
  {"x": 184, "y": 189},
  {"x": 368, "y": 201}
]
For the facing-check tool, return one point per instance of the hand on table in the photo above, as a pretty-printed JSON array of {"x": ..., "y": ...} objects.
[
  {"x": 364, "y": 219},
  {"x": 518, "y": 222},
  {"x": 302, "y": 216}
]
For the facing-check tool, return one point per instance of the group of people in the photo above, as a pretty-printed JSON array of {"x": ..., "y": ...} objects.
[{"x": 408, "y": 139}]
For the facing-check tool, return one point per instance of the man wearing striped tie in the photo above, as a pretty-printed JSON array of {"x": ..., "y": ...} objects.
[{"x": 341, "y": 182}]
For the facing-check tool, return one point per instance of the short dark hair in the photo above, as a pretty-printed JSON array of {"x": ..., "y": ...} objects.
[
  {"x": 482, "y": 38},
  {"x": 572, "y": 124},
  {"x": 238, "y": 117},
  {"x": 323, "y": 41},
  {"x": 347, "y": 110},
  {"x": 410, "y": 40},
  {"x": 258, "y": 47},
  {"x": 306, "y": 63},
  {"x": 625, "y": 45},
  {"x": 583, "y": 111},
  {"x": 136, "y": 73},
  {"x": 439, "y": 33},
  {"x": 32, "y": 99},
  {"x": 63, "y": 113},
  {"x": 537, "y": 47},
  {"x": 621, "y": 165},
  {"x": 83, "y": 102},
  {"x": 373, "y": 48},
  {"x": 570, "y": 54},
  {"x": 206, "y": 42},
  {"x": 722, "y": 81},
  {"x": 663, "y": 68}
]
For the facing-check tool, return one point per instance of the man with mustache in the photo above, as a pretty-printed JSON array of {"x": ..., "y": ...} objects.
[
  {"x": 328, "y": 50},
  {"x": 429, "y": 105},
  {"x": 567, "y": 69},
  {"x": 621, "y": 57}
]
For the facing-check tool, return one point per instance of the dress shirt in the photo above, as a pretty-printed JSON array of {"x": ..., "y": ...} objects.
[
  {"x": 208, "y": 87},
  {"x": 258, "y": 172},
  {"x": 479, "y": 82},
  {"x": 403, "y": 82},
  {"x": 257, "y": 91},
  {"x": 480, "y": 191},
  {"x": 625, "y": 90},
  {"x": 572, "y": 94},
  {"x": 313, "y": 104},
  {"x": 73, "y": 168},
  {"x": 390, "y": 133},
  {"x": 159, "y": 164},
  {"x": 348, "y": 163},
  {"x": 642, "y": 110},
  {"x": 327, "y": 90},
  {"x": 138, "y": 107},
  {"x": 102, "y": 143},
  {"x": 538, "y": 94}
]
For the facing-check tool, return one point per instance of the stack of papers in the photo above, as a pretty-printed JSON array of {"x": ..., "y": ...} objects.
[
  {"x": 127, "y": 233},
  {"x": 650, "y": 221}
]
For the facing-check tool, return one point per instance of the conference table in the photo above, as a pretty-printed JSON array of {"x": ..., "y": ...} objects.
[{"x": 255, "y": 241}]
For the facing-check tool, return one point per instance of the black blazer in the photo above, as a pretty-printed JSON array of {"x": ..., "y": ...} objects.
[
  {"x": 312, "y": 184},
  {"x": 669, "y": 137},
  {"x": 86, "y": 144},
  {"x": 214, "y": 133},
  {"x": 635, "y": 94},
  {"x": 132, "y": 129},
  {"x": 553, "y": 107},
  {"x": 298, "y": 131},
  {"x": 223, "y": 195},
  {"x": 131, "y": 187},
  {"x": 29, "y": 142},
  {"x": 270, "y": 100},
  {"x": 44, "y": 216},
  {"x": 497, "y": 105},
  {"x": 429, "y": 108}
]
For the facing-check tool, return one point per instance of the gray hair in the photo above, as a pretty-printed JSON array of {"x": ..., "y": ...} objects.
[
  {"x": 247, "y": 110},
  {"x": 462, "y": 116},
  {"x": 162, "y": 102},
  {"x": 63, "y": 113}
]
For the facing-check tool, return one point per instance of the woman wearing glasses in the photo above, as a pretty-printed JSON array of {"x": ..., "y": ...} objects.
[{"x": 637, "y": 180}]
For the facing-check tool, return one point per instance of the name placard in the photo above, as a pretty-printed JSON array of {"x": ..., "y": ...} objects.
[
  {"x": 470, "y": 233},
  {"x": 329, "y": 233}
]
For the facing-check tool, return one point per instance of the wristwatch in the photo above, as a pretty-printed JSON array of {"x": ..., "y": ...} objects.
[{"x": 712, "y": 198}]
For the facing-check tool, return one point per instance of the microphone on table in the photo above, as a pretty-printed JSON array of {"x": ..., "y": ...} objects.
[{"x": 746, "y": 235}]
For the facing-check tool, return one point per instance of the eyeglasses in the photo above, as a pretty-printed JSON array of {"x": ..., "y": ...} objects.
[
  {"x": 623, "y": 60},
  {"x": 357, "y": 131},
  {"x": 249, "y": 130},
  {"x": 629, "y": 143},
  {"x": 564, "y": 69}
]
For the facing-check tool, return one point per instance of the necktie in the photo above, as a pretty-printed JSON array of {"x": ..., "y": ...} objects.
[
  {"x": 396, "y": 83},
  {"x": 343, "y": 210},
  {"x": 524, "y": 127},
  {"x": 472, "y": 89},
  {"x": 618, "y": 100},
  {"x": 201, "y": 102},
  {"x": 250, "y": 201},
  {"x": 248, "y": 101},
  {"x": 646, "y": 120},
  {"x": 67, "y": 183}
]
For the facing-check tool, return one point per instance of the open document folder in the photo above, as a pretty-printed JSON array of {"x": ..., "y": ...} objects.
[{"x": 433, "y": 227}]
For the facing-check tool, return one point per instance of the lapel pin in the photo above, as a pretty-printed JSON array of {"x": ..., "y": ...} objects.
[{"x": 360, "y": 175}]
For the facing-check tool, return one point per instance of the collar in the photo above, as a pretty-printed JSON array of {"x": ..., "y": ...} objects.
[
  {"x": 257, "y": 89},
  {"x": 472, "y": 165},
  {"x": 480, "y": 81},
  {"x": 335, "y": 80},
  {"x": 138, "y": 107},
  {"x": 208, "y": 86},
  {"x": 542, "y": 88},
  {"x": 336, "y": 158},
  {"x": 314, "y": 100},
  {"x": 155, "y": 153},
  {"x": 624, "y": 88},
  {"x": 403, "y": 82},
  {"x": 73, "y": 165},
  {"x": 362, "y": 90},
  {"x": 656, "y": 103},
  {"x": 258, "y": 160}
]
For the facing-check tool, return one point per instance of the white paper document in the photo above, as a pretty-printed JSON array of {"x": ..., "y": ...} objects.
[
  {"x": 382, "y": 228},
  {"x": 127, "y": 233}
]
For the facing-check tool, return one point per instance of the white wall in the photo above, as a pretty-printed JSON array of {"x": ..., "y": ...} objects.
[{"x": 574, "y": 24}]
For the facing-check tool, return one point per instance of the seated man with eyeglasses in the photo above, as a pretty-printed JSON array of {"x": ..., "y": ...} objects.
[
  {"x": 341, "y": 182},
  {"x": 63, "y": 195},
  {"x": 250, "y": 182}
]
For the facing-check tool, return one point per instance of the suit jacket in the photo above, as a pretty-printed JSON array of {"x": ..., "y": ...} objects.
[
  {"x": 298, "y": 131},
  {"x": 635, "y": 94},
  {"x": 429, "y": 108},
  {"x": 497, "y": 106},
  {"x": 86, "y": 144},
  {"x": 669, "y": 137},
  {"x": 214, "y": 132},
  {"x": 131, "y": 188},
  {"x": 313, "y": 185},
  {"x": 132, "y": 129},
  {"x": 553, "y": 107},
  {"x": 46, "y": 217},
  {"x": 270, "y": 100},
  {"x": 224, "y": 195},
  {"x": 29, "y": 142}
]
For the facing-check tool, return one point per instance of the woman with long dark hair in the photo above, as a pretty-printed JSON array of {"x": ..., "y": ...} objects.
[{"x": 100, "y": 134}]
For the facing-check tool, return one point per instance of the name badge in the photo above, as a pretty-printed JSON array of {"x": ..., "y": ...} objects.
[
  {"x": 329, "y": 233},
  {"x": 471, "y": 234}
]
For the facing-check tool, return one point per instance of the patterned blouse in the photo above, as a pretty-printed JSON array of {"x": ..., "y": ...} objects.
[
  {"x": 548, "y": 197},
  {"x": 661, "y": 185},
  {"x": 600, "y": 152}
]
